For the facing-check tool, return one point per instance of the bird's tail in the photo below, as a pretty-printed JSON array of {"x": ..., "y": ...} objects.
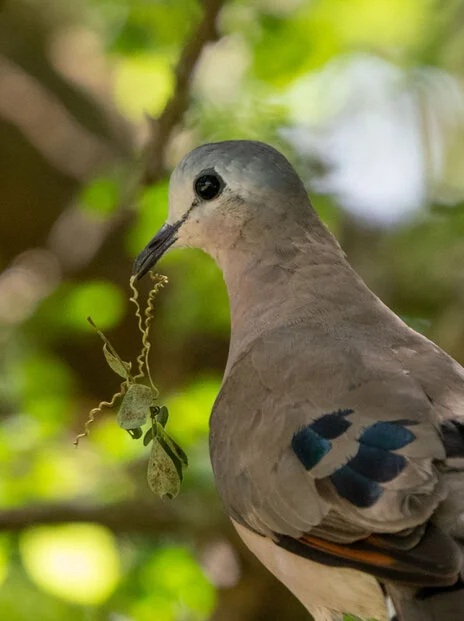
[{"x": 429, "y": 604}]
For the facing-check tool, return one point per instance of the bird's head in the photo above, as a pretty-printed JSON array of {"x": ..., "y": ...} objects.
[{"x": 226, "y": 194}]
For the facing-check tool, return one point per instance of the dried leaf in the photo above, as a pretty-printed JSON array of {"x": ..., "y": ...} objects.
[
  {"x": 135, "y": 406},
  {"x": 163, "y": 476},
  {"x": 112, "y": 357},
  {"x": 133, "y": 412},
  {"x": 117, "y": 365}
]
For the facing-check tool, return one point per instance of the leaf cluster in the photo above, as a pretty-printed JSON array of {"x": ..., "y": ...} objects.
[{"x": 137, "y": 402}]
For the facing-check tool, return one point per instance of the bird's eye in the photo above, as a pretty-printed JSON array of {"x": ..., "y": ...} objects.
[{"x": 208, "y": 186}]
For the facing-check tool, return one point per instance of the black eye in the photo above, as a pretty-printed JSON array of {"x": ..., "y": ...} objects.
[{"x": 208, "y": 186}]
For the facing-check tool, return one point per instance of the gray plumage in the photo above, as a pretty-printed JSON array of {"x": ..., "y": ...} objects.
[{"x": 336, "y": 436}]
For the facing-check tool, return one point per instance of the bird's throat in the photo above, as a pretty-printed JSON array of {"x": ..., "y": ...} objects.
[{"x": 306, "y": 283}]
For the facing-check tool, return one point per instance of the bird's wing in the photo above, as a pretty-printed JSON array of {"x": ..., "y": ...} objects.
[
  {"x": 439, "y": 375},
  {"x": 335, "y": 455}
]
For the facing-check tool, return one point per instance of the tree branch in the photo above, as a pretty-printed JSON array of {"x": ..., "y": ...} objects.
[
  {"x": 149, "y": 167},
  {"x": 140, "y": 516},
  {"x": 175, "y": 108}
]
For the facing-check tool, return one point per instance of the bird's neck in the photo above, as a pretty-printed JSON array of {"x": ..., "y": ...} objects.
[{"x": 297, "y": 281}]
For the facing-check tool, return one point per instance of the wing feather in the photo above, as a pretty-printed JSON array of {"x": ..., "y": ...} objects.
[{"x": 321, "y": 466}]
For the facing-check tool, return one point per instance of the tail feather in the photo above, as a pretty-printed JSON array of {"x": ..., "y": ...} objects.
[{"x": 438, "y": 604}]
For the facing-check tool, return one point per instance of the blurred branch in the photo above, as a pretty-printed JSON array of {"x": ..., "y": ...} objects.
[
  {"x": 25, "y": 100},
  {"x": 120, "y": 517},
  {"x": 448, "y": 27},
  {"x": 140, "y": 516},
  {"x": 149, "y": 167},
  {"x": 175, "y": 108},
  {"x": 256, "y": 596}
]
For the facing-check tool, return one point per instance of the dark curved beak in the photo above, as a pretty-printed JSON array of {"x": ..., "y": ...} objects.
[{"x": 155, "y": 249}]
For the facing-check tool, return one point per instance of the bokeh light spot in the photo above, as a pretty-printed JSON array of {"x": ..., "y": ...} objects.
[
  {"x": 77, "y": 562},
  {"x": 143, "y": 85},
  {"x": 100, "y": 299}
]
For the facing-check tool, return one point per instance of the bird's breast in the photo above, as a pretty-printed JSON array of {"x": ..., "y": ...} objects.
[{"x": 326, "y": 592}]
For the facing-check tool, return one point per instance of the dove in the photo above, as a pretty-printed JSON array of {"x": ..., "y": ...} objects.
[{"x": 337, "y": 436}]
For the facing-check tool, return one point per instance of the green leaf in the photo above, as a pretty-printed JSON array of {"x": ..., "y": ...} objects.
[
  {"x": 116, "y": 364},
  {"x": 135, "y": 406},
  {"x": 148, "y": 437},
  {"x": 163, "y": 476},
  {"x": 136, "y": 433},
  {"x": 162, "y": 416}
]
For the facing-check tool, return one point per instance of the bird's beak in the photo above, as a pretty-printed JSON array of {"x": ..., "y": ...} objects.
[{"x": 155, "y": 249}]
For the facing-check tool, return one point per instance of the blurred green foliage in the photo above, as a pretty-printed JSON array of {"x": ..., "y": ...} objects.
[
  {"x": 178, "y": 586},
  {"x": 101, "y": 196},
  {"x": 275, "y": 66},
  {"x": 101, "y": 300}
]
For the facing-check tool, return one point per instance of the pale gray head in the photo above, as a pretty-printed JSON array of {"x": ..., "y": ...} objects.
[{"x": 228, "y": 194}]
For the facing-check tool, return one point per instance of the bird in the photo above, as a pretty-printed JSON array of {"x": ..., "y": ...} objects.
[{"x": 337, "y": 436}]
